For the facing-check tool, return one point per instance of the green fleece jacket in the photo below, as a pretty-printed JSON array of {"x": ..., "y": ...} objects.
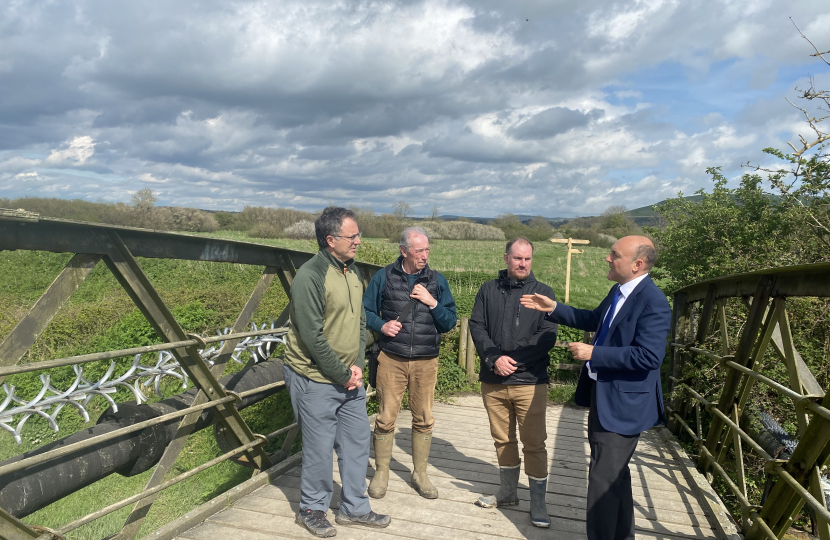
[{"x": 328, "y": 325}]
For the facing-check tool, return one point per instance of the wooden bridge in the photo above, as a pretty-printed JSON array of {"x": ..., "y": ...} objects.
[
  {"x": 673, "y": 498},
  {"x": 669, "y": 502}
]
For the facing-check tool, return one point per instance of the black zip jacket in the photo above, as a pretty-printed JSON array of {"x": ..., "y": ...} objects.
[{"x": 501, "y": 326}]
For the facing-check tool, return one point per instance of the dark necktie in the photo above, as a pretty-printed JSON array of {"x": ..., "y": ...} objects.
[{"x": 609, "y": 316}]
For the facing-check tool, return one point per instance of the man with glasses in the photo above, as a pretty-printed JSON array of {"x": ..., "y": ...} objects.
[
  {"x": 324, "y": 360},
  {"x": 409, "y": 306}
]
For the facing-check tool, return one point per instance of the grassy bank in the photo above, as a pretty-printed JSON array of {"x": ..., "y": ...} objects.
[{"x": 204, "y": 297}]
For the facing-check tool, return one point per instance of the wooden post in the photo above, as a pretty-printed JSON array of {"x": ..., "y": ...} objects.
[
  {"x": 462, "y": 342},
  {"x": 471, "y": 357},
  {"x": 570, "y": 242}
]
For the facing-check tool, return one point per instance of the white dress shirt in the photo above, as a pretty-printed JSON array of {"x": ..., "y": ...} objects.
[{"x": 625, "y": 290}]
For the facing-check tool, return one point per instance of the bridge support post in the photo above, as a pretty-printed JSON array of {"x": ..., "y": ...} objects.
[
  {"x": 188, "y": 423},
  {"x": 679, "y": 325},
  {"x": 24, "y": 335},
  {"x": 138, "y": 286},
  {"x": 743, "y": 356}
]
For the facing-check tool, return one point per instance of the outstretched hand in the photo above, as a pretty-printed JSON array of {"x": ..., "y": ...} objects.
[{"x": 537, "y": 301}]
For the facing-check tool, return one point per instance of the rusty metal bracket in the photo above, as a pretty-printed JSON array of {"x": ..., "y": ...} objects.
[{"x": 12, "y": 528}]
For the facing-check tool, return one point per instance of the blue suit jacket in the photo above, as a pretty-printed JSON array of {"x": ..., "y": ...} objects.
[{"x": 628, "y": 393}]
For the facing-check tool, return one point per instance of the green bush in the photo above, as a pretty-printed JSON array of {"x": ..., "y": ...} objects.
[
  {"x": 278, "y": 218},
  {"x": 511, "y": 227},
  {"x": 460, "y": 230},
  {"x": 379, "y": 253},
  {"x": 730, "y": 231},
  {"x": 562, "y": 393},
  {"x": 452, "y": 378},
  {"x": 145, "y": 216},
  {"x": 225, "y": 219},
  {"x": 264, "y": 230},
  {"x": 386, "y": 226}
]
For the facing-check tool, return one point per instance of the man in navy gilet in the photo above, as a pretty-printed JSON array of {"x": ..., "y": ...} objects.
[
  {"x": 409, "y": 306},
  {"x": 620, "y": 380}
]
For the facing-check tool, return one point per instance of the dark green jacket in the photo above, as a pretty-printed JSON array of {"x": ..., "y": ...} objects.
[{"x": 328, "y": 325}]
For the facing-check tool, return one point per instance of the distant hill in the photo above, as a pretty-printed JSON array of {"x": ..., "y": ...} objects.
[
  {"x": 648, "y": 211},
  {"x": 524, "y": 218},
  {"x": 643, "y": 216},
  {"x": 646, "y": 215}
]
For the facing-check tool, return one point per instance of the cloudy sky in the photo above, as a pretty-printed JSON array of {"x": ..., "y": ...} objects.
[{"x": 552, "y": 107}]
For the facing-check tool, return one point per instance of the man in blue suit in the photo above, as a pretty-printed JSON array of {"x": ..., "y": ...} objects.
[{"x": 620, "y": 380}]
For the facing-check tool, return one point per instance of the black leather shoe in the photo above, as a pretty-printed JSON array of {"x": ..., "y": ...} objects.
[
  {"x": 316, "y": 523},
  {"x": 371, "y": 519}
]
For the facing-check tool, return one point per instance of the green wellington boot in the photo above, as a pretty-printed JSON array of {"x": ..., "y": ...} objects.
[
  {"x": 506, "y": 495},
  {"x": 420, "y": 455},
  {"x": 538, "y": 508},
  {"x": 383, "y": 454}
]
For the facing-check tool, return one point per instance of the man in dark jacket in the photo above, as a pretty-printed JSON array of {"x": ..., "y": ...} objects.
[
  {"x": 513, "y": 343},
  {"x": 410, "y": 306}
]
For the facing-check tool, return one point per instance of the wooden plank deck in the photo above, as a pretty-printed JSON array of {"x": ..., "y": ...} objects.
[{"x": 463, "y": 466}]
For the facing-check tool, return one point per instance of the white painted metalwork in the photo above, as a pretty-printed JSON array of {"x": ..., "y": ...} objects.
[{"x": 138, "y": 378}]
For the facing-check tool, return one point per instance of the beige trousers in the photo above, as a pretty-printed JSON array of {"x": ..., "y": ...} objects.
[
  {"x": 396, "y": 374},
  {"x": 525, "y": 405}
]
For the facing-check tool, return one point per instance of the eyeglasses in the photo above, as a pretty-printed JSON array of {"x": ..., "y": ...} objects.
[{"x": 351, "y": 238}]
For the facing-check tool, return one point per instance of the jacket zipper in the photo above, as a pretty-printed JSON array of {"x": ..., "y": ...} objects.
[
  {"x": 412, "y": 328},
  {"x": 348, "y": 288},
  {"x": 414, "y": 307}
]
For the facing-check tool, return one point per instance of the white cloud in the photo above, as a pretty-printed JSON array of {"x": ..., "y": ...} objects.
[
  {"x": 150, "y": 179},
  {"x": 74, "y": 152},
  {"x": 624, "y": 20},
  {"x": 529, "y": 107}
]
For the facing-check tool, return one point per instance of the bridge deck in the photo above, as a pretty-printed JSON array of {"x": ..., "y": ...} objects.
[{"x": 462, "y": 466}]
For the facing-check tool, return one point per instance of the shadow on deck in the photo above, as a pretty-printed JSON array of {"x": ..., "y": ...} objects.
[{"x": 462, "y": 466}]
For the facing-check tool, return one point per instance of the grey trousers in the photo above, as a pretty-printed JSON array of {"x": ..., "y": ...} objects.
[
  {"x": 331, "y": 418},
  {"x": 610, "y": 513}
]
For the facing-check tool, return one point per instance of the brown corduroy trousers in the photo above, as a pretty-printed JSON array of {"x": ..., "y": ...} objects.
[
  {"x": 396, "y": 374},
  {"x": 525, "y": 405}
]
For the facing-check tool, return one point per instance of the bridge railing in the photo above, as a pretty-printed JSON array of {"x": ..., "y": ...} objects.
[
  {"x": 190, "y": 354},
  {"x": 700, "y": 318}
]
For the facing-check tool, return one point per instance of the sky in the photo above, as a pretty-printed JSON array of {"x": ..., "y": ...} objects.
[{"x": 544, "y": 107}]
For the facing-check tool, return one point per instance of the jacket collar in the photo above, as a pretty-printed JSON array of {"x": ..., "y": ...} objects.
[
  {"x": 334, "y": 261},
  {"x": 628, "y": 288},
  {"x": 508, "y": 282},
  {"x": 398, "y": 267}
]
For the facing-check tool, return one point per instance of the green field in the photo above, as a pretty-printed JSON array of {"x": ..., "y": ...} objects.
[
  {"x": 480, "y": 260},
  {"x": 206, "y": 296}
]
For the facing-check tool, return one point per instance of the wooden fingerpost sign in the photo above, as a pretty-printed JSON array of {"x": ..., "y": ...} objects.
[{"x": 570, "y": 242}]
